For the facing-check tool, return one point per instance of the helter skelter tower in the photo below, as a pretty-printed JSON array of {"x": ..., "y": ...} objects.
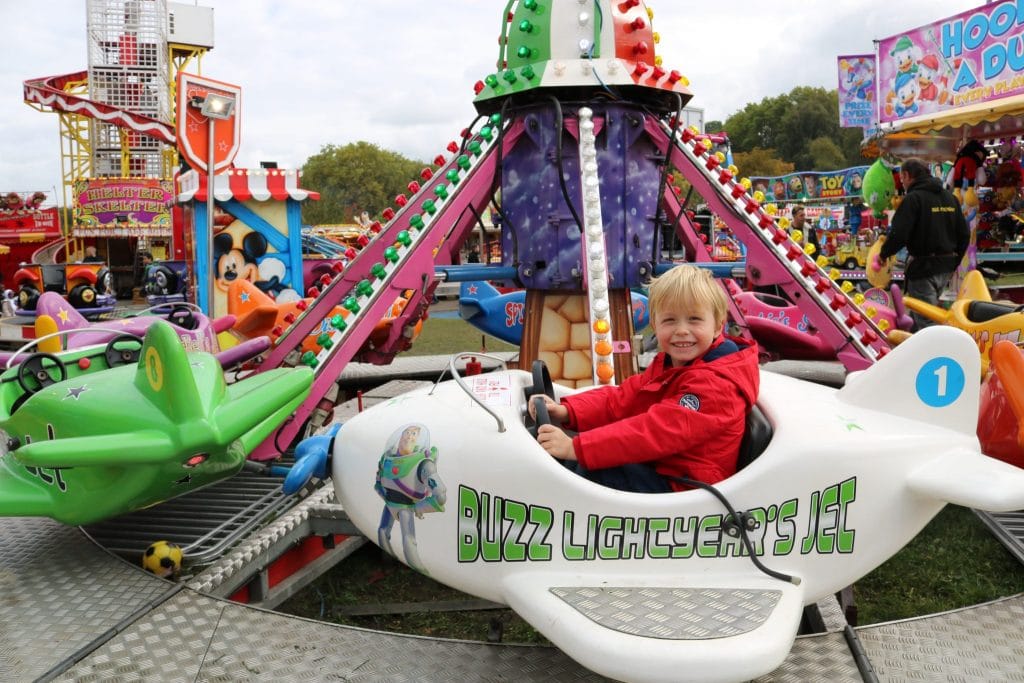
[
  {"x": 580, "y": 191},
  {"x": 128, "y": 69}
]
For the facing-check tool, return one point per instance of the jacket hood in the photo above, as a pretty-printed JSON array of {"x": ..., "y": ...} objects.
[{"x": 929, "y": 184}]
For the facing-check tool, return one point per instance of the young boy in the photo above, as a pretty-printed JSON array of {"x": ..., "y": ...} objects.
[{"x": 682, "y": 417}]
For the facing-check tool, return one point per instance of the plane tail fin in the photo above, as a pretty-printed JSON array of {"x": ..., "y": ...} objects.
[
  {"x": 974, "y": 287},
  {"x": 165, "y": 376},
  {"x": 932, "y": 377}
]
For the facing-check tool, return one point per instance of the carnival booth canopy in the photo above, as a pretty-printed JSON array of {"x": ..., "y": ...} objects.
[{"x": 954, "y": 80}]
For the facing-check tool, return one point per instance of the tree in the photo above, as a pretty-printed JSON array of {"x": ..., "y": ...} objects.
[
  {"x": 790, "y": 123},
  {"x": 761, "y": 162},
  {"x": 714, "y": 127},
  {"x": 357, "y": 177}
]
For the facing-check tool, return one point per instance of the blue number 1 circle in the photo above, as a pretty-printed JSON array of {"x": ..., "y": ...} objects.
[{"x": 940, "y": 382}]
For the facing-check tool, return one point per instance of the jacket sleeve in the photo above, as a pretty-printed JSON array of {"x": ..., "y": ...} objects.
[
  {"x": 963, "y": 234},
  {"x": 902, "y": 224},
  {"x": 667, "y": 428},
  {"x": 589, "y": 409}
]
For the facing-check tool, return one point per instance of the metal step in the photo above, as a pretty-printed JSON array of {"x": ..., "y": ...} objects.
[
  {"x": 1008, "y": 527},
  {"x": 205, "y": 523}
]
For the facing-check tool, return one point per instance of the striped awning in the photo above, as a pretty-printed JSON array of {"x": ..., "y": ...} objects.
[{"x": 241, "y": 184}]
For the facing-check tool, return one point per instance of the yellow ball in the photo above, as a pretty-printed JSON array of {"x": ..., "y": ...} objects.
[{"x": 163, "y": 558}]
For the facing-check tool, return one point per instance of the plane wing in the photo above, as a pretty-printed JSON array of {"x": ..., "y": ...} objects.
[{"x": 667, "y": 628}]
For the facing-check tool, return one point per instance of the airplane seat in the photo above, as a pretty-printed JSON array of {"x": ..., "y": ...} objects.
[
  {"x": 757, "y": 434},
  {"x": 983, "y": 311}
]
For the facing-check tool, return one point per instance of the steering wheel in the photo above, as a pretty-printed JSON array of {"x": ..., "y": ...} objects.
[
  {"x": 542, "y": 384},
  {"x": 182, "y": 316},
  {"x": 34, "y": 372},
  {"x": 543, "y": 418},
  {"x": 128, "y": 353}
]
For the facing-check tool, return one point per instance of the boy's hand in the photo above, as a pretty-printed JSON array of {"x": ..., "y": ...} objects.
[
  {"x": 556, "y": 411},
  {"x": 556, "y": 442}
]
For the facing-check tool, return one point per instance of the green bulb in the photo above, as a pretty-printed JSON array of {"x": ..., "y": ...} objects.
[
  {"x": 325, "y": 340},
  {"x": 528, "y": 73},
  {"x": 351, "y": 304},
  {"x": 441, "y": 191},
  {"x": 309, "y": 358},
  {"x": 510, "y": 76},
  {"x": 491, "y": 80},
  {"x": 474, "y": 147},
  {"x": 523, "y": 52},
  {"x": 463, "y": 162},
  {"x": 338, "y": 322},
  {"x": 416, "y": 221},
  {"x": 495, "y": 119},
  {"x": 404, "y": 238},
  {"x": 487, "y": 132},
  {"x": 526, "y": 26},
  {"x": 530, "y": 5},
  {"x": 364, "y": 288},
  {"x": 391, "y": 254},
  {"x": 378, "y": 271},
  {"x": 452, "y": 176}
]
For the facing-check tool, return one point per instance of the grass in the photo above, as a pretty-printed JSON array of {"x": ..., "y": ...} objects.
[{"x": 954, "y": 562}]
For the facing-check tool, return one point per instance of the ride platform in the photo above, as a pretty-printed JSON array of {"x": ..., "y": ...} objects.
[{"x": 77, "y": 606}]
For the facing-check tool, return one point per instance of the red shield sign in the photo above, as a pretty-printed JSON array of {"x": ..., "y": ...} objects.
[{"x": 193, "y": 127}]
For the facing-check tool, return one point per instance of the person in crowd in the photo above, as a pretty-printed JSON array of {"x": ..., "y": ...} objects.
[
  {"x": 684, "y": 416},
  {"x": 931, "y": 225}
]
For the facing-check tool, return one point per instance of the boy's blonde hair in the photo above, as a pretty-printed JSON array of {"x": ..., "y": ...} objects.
[{"x": 690, "y": 287}]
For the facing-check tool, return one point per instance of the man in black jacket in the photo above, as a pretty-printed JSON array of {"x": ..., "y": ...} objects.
[{"x": 931, "y": 225}]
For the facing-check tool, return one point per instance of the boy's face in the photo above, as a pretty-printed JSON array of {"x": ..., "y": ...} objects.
[
  {"x": 407, "y": 443},
  {"x": 685, "y": 334}
]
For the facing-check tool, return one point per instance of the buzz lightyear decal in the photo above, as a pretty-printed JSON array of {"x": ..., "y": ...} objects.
[{"x": 408, "y": 482}]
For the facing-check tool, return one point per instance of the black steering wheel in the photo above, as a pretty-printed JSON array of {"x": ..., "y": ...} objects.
[
  {"x": 542, "y": 384},
  {"x": 182, "y": 316},
  {"x": 131, "y": 347},
  {"x": 34, "y": 372},
  {"x": 543, "y": 418}
]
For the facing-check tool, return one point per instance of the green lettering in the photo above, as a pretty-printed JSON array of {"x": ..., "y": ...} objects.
[
  {"x": 826, "y": 527},
  {"x": 655, "y": 528},
  {"x": 610, "y": 538},
  {"x": 634, "y": 538},
  {"x": 709, "y": 536},
  {"x": 469, "y": 525},
  {"x": 515, "y": 512},
  {"x": 570, "y": 550},
  {"x": 785, "y": 528},
  {"x": 807, "y": 545},
  {"x": 683, "y": 536},
  {"x": 847, "y": 494},
  {"x": 490, "y": 528},
  {"x": 539, "y": 549}
]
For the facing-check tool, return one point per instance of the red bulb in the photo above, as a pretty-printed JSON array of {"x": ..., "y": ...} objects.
[
  {"x": 289, "y": 318},
  {"x": 375, "y": 227},
  {"x": 478, "y": 87},
  {"x": 362, "y": 240},
  {"x": 687, "y": 134},
  {"x": 639, "y": 24},
  {"x": 325, "y": 279},
  {"x": 350, "y": 253},
  {"x": 674, "y": 77},
  {"x": 277, "y": 331},
  {"x": 84, "y": 363},
  {"x": 452, "y": 147},
  {"x": 337, "y": 266},
  {"x": 303, "y": 305},
  {"x": 640, "y": 48},
  {"x": 641, "y": 69},
  {"x": 439, "y": 160},
  {"x": 388, "y": 213},
  {"x": 311, "y": 292},
  {"x": 414, "y": 187},
  {"x": 426, "y": 174},
  {"x": 401, "y": 200},
  {"x": 657, "y": 73}
]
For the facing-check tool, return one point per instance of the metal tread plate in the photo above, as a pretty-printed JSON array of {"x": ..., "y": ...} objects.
[
  {"x": 672, "y": 613},
  {"x": 60, "y": 594},
  {"x": 193, "y": 637},
  {"x": 977, "y": 643}
]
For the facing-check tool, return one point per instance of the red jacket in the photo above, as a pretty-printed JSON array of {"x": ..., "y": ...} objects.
[{"x": 687, "y": 421}]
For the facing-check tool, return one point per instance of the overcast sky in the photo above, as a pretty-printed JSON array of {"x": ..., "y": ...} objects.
[{"x": 400, "y": 73}]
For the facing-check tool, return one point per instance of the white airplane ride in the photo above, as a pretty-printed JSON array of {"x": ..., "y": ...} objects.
[{"x": 701, "y": 585}]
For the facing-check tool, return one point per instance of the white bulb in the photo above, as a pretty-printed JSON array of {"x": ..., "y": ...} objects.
[
  {"x": 592, "y": 182},
  {"x": 598, "y": 286},
  {"x": 594, "y": 229},
  {"x": 584, "y": 18},
  {"x": 584, "y": 46},
  {"x": 586, "y": 112},
  {"x": 590, "y": 166},
  {"x": 596, "y": 251},
  {"x": 586, "y": 125},
  {"x": 597, "y": 267}
]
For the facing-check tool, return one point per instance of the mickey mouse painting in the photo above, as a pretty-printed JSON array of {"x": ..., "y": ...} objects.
[{"x": 237, "y": 264}]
